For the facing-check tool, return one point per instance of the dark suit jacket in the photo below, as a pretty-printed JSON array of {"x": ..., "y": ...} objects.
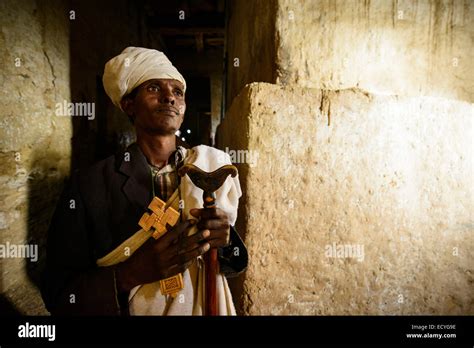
[{"x": 98, "y": 210}]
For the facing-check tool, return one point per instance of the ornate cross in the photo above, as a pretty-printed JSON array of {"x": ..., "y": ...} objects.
[
  {"x": 159, "y": 217},
  {"x": 156, "y": 222}
]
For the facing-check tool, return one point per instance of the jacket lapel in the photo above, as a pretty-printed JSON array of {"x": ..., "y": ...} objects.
[{"x": 137, "y": 187}]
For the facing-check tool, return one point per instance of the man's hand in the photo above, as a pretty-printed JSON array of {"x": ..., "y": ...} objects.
[
  {"x": 216, "y": 221},
  {"x": 159, "y": 259}
]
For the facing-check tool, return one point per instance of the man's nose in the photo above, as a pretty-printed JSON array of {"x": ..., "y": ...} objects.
[{"x": 167, "y": 97}]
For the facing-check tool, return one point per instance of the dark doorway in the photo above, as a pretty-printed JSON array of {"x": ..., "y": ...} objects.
[{"x": 196, "y": 128}]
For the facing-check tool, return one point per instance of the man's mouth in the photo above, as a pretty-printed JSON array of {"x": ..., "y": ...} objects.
[{"x": 168, "y": 111}]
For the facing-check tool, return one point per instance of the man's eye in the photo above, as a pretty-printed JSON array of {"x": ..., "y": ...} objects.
[
  {"x": 179, "y": 92},
  {"x": 153, "y": 88}
]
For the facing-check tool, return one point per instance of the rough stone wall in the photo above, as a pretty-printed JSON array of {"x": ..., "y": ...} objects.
[
  {"x": 403, "y": 47},
  {"x": 251, "y": 48},
  {"x": 364, "y": 142},
  {"x": 392, "y": 175},
  {"x": 34, "y": 142}
]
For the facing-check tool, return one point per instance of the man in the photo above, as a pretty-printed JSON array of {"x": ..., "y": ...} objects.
[{"x": 99, "y": 261}]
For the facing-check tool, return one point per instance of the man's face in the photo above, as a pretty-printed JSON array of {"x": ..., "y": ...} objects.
[{"x": 158, "y": 106}]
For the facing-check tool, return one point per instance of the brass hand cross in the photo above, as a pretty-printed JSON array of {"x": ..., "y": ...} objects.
[{"x": 156, "y": 221}]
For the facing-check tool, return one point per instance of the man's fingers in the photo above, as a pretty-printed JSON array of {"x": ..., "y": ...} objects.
[
  {"x": 175, "y": 232},
  {"x": 208, "y": 213},
  {"x": 215, "y": 224},
  {"x": 221, "y": 240},
  {"x": 218, "y": 237},
  {"x": 195, "y": 212},
  {"x": 174, "y": 253},
  {"x": 190, "y": 255},
  {"x": 194, "y": 241}
]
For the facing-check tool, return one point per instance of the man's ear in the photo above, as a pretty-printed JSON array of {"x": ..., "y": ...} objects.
[{"x": 127, "y": 106}]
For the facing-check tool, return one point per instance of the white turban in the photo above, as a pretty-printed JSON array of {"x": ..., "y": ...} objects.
[{"x": 132, "y": 67}]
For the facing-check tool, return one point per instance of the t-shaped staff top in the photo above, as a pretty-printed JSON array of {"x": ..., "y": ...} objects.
[{"x": 208, "y": 182}]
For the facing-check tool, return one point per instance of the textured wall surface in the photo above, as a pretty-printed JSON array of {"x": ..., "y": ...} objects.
[
  {"x": 403, "y": 47},
  {"x": 34, "y": 142},
  {"x": 389, "y": 176},
  {"x": 251, "y": 44}
]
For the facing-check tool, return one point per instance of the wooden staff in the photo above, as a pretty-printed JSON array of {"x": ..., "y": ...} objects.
[{"x": 209, "y": 183}]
